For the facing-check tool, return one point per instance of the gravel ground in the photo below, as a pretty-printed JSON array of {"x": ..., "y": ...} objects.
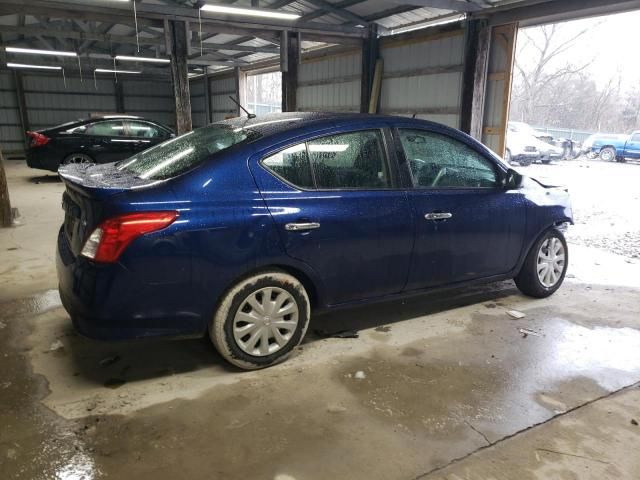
[{"x": 606, "y": 202}]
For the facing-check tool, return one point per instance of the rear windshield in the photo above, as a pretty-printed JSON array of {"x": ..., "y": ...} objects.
[{"x": 182, "y": 153}]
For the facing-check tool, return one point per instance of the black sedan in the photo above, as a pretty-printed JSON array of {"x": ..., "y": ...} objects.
[{"x": 97, "y": 140}]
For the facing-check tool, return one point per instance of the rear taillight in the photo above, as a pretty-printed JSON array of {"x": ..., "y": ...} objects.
[
  {"x": 38, "y": 139},
  {"x": 111, "y": 237}
]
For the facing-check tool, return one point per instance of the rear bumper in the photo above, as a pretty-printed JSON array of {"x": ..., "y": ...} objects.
[
  {"x": 108, "y": 302},
  {"x": 42, "y": 158}
]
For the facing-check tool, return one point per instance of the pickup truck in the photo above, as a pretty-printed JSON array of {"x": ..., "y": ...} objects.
[{"x": 611, "y": 147}]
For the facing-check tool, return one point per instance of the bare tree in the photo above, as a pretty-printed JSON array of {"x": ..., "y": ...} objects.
[{"x": 533, "y": 77}]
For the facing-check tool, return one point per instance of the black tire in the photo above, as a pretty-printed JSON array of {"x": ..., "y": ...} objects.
[
  {"x": 608, "y": 154},
  {"x": 221, "y": 328},
  {"x": 525, "y": 161},
  {"x": 77, "y": 157},
  {"x": 527, "y": 280},
  {"x": 546, "y": 162}
]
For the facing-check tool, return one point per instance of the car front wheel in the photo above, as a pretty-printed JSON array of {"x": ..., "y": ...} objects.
[
  {"x": 261, "y": 320},
  {"x": 545, "y": 266}
]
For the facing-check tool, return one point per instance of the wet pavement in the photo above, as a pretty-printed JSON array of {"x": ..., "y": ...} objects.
[
  {"x": 429, "y": 380},
  {"x": 446, "y": 385}
]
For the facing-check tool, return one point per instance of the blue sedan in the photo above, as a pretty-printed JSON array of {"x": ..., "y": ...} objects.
[{"x": 242, "y": 228}]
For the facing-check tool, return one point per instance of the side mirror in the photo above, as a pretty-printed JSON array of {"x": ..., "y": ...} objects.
[{"x": 512, "y": 180}]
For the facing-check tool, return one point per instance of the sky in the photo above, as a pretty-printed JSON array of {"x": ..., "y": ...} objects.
[{"x": 611, "y": 44}]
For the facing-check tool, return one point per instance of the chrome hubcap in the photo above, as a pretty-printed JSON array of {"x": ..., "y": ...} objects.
[
  {"x": 77, "y": 159},
  {"x": 606, "y": 155},
  {"x": 265, "y": 321},
  {"x": 551, "y": 262}
]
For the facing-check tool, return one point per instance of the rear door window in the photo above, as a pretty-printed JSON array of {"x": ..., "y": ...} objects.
[
  {"x": 108, "y": 128},
  {"x": 292, "y": 165},
  {"x": 140, "y": 129},
  {"x": 346, "y": 161},
  {"x": 353, "y": 160}
]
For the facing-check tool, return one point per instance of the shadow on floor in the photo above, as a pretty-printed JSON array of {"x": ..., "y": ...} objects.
[
  {"x": 116, "y": 363},
  {"x": 45, "y": 179}
]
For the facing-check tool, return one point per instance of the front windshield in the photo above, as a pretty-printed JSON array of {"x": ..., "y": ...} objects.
[{"x": 182, "y": 153}]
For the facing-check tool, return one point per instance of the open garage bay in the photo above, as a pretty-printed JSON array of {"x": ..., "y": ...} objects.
[{"x": 447, "y": 385}]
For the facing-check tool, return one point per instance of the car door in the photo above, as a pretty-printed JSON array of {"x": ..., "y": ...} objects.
[
  {"x": 632, "y": 148},
  {"x": 144, "y": 135},
  {"x": 467, "y": 225},
  {"x": 338, "y": 208},
  {"x": 107, "y": 142}
]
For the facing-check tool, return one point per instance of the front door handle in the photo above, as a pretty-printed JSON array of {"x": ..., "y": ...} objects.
[
  {"x": 438, "y": 216},
  {"x": 297, "y": 227}
]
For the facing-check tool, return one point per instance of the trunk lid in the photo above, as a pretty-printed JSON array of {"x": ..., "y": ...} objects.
[{"x": 84, "y": 200}]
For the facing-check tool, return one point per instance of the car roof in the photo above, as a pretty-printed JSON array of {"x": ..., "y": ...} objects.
[
  {"x": 276, "y": 123},
  {"x": 99, "y": 118}
]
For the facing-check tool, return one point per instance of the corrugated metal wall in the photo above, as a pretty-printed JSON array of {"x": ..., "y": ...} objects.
[
  {"x": 423, "y": 75},
  {"x": 220, "y": 88},
  {"x": 150, "y": 99},
  {"x": 198, "y": 102},
  {"x": 49, "y": 102},
  {"x": 11, "y": 134},
  {"x": 330, "y": 83}
]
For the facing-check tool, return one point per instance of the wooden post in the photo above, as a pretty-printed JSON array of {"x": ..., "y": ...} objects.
[
  {"x": 370, "y": 54},
  {"x": 474, "y": 80},
  {"x": 179, "y": 75},
  {"x": 290, "y": 56},
  {"x": 241, "y": 91},
  {"x": 22, "y": 105},
  {"x": 119, "y": 97},
  {"x": 207, "y": 98},
  {"x": 5, "y": 203},
  {"x": 498, "y": 91}
]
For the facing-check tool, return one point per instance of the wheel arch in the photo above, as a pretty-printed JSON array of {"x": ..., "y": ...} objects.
[
  {"x": 615, "y": 150},
  {"x": 543, "y": 230}
]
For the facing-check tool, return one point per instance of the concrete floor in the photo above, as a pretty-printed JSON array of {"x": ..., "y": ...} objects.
[{"x": 452, "y": 388}]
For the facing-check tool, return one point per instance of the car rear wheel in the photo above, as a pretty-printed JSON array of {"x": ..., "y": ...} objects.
[
  {"x": 261, "y": 320},
  {"x": 525, "y": 161},
  {"x": 77, "y": 158},
  {"x": 608, "y": 154},
  {"x": 507, "y": 156},
  {"x": 546, "y": 264}
]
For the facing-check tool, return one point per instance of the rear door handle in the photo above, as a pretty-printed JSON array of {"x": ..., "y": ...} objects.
[
  {"x": 297, "y": 227},
  {"x": 438, "y": 215}
]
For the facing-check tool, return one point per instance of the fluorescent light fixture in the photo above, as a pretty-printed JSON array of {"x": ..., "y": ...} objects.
[
  {"x": 24, "y": 65},
  {"x": 59, "y": 53},
  {"x": 127, "y": 58},
  {"x": 107, "y": 70},
  {"x": 250, "y": 12}
]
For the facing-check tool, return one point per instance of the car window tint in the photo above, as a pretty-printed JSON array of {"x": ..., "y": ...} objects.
[
  {"x": 292, "y": 165},
  {"x": 635, "y": 137},
  {"x": 143, "y": 129},
  {"x": 438, "y": 161},
  {"x": 109, "y": 128},
  {"x": 350, "y": 160}
]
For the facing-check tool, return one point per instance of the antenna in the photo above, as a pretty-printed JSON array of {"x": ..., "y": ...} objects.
[{"x": 249, "y": 115}]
